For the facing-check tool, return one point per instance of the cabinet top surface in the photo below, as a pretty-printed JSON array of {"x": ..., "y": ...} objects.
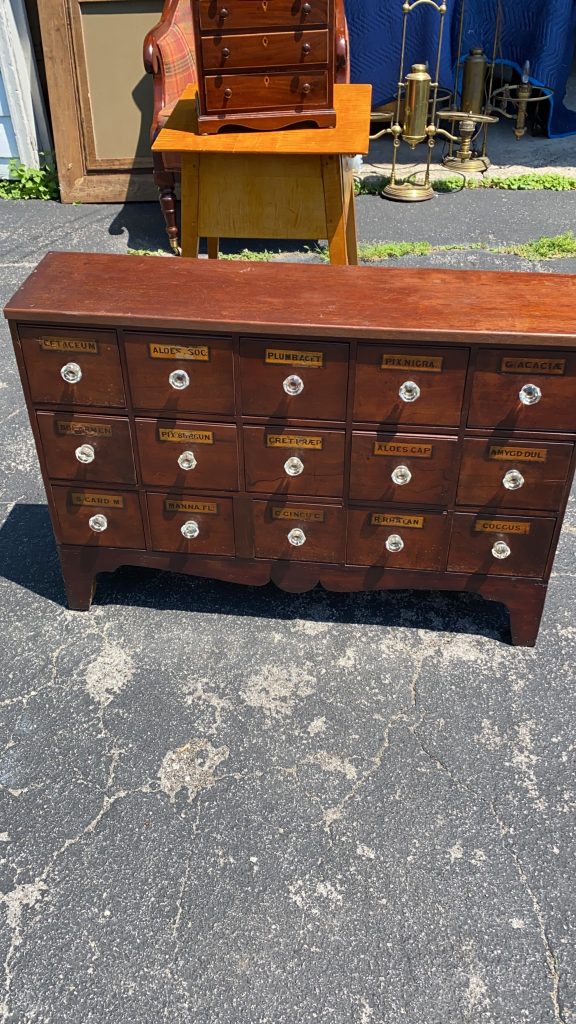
[{"x": 288, "y": 300}]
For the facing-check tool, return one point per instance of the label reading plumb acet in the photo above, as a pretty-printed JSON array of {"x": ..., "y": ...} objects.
[
  {"x": 292, "y": 441},
  {"x": 81, "y": 429},
  {"x": 294, "y": 357},
  {"x": 417, "y": 451},
  {"x": 506, "y": 454},
  {"x": 308, "y": 515},
  {"x": 174, "y": 434},
  {"x": 173, "y": 505},
  {"x": 101, "y": 500},
  {"x": 425, "y": 364},
  {"x": 500, "y": 526},
  {"x": 385, "y": 519},
  {"x": 525, "y": 364},
  {"x": 53, "y": 343},
  {"x": 198, "y": 353}
]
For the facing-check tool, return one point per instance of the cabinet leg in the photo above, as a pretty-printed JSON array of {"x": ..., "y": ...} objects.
[
  {"x": 212, "y": 244},
  {"x": 79, "y": 581},
  {"x": 525, "y": 607}
]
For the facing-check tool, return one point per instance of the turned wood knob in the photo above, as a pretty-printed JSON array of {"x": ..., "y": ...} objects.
[
  {"x": 306, "y": 88},
  {"x": 306, "y": 8},
  {"x": 227, "y": 94},
  {"x": 225, "y": 52},
  {"x": 224, "y": 12},
  {"x": 306, "y": 48}
]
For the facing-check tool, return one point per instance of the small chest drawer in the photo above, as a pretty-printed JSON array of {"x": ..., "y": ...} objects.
[
  {"x": 199, "y": 526},
  {"x": 403, "y": 467},
  {"x": 184, "y": 454},
  {"x": 273, "y": 49},
  {"x": 294, "y": 462},
  {"x": 84, "y": 447},
  {"x": 180, "y": 374},
  {"x": 406, "y": 540},
  {"x": 67, "y": 367},
  {"x": 303, "y": 533},
  {"x": 500, "y": 546},
  {"x": 95, "y": 517},
  {"x": 227, "y": 14},
  {"x": 528, "y": 391},
  {"x": 409, "y": 385},
  {"x": 513, "y": 474},
  {"x": 265, "y": 92},
  {"x": 299, "y": 380}
]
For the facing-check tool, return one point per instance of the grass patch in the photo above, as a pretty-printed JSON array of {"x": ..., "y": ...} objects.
[
  {"x": 555, "y": 248},
  {"x": 392, "y": 250},
  {"x": 373, "y": 186},
  {"x": 30, "y": 182}
]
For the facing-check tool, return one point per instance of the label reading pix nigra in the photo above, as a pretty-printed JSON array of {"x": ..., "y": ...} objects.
[
  {"x": 294, "y": 357},
  {"x": 425, "y": 364},
  {"x": 529, "y": 364},
  {"x": 161, "y": 350},
  {"x": 55, "y": 343},
  {"x": 100, "y": 500}
]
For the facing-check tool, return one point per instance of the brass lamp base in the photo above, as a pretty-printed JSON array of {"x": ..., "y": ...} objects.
[
  {"x": 406, "y": 192},
  {"x": 473, "y": 163}
]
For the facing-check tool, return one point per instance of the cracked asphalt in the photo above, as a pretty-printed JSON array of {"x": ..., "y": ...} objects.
[{"x": 224, "y": 805}]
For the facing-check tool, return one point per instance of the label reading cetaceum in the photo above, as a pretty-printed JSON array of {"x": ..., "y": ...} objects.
[
  {"x": 308, "y": 515},
  {"x": 197, "y": 436},
  {"x": 294, "y": 357},
  {"x": 426, "y": 364},
  {"x": 172, "y": 505},
  {"x": 82, "y": 429},
  {"x": 506, "y": 454},
  {"x": 417, "y": 451},
  {"x": 101, "y": 500},
  {"x": 500, "y": 526},
  {"x": 292, "y": 441},
  {"x": 554, "y": 367},
  {"x": 198, "y": 353},
  {"x": 53, "y": 343},
  {"x": 385, "y": 519}
]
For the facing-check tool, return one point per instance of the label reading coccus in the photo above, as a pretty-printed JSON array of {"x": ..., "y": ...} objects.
[
  {"x": 292, "y": 441},
  {"x": 417, "y": 451},
  {"x": 100, "y": 500},
  {"x": 500, "y": 526},
  {"x": 198, "y": 353},
  {"x": 309, "y": 515},
  {"x": 83, "y": 429},
  {"x": 525, "y": 364},
  {"x": 173, "y": 505},
  {"x": 53, "y": 343},
  {"x": 174, "y": 434},
  {"x": 385, "y": 519},
  {"x": 425, "y": 364},
  {"x": 505, "y": 454},
  {"x": 294, "y": 357}
]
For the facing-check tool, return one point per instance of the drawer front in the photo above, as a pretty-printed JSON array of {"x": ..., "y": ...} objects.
[
  {"x": 72, "y": 367},
  {"x": 273, "y": 49},
  {"x": 513, "y": 474},
  {"x": 530, "y": 391},
  {"x": 197, "y": 526},
  {"x": 385, "y": 379},
  {"x": 215, "y": 15},
  {"x": 288, "y": 461},
  {"x": 84, "y": 447},
  {"x": 98, "y": 518},
  {"x": 265, "y": 92},
  {"x": 403, "y": 467},
  {"x": 522, "y": 545},
  {"x": 302, "y": 533},
  {"x": 184, "y": 454},
  {"x": 406, "y": 540},
  {"x": 299, "y": 380},
  {"x": 181, "y": 374}
]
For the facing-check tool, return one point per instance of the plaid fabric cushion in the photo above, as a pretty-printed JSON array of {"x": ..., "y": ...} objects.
[{"x": 177, "y": 50}]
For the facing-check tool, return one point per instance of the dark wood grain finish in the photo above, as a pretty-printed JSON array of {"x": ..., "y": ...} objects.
[
  {"x": 424, "y": 536},
  {"x": 213, "y": 446},
  {"x": 107, "y": 438},
  {"x": 76, "y": 505},
  {"x": 257, "y": 49},
  {"x": 495, "y": 400},
  {"x": 474, "y": 536},
  {"x": 255, "y": 14},
  {"x": 382, "y": 371},
  {"x": 95, "y": 352},
  {"x": 322, "y": 525},
  {"x": 323, "y": 370},
  {"x": 209, "y": 369},
  {"x": 268, "y": 91},
  {"x": 169, "y": 512},
  {"x": 321, "y": 452},
  {"x": 431, "y": 461},
  {"x": 488, "y": 462}
]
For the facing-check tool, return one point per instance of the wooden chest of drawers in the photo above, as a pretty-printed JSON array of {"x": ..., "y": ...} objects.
[{"x": 303, "y": 424}]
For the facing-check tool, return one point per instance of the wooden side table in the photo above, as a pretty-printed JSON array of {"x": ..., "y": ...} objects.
[{"x": 284, "y": 184}]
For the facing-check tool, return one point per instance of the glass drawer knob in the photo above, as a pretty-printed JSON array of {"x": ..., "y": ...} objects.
[
  {"x": 401, "y": 475},
  {"x": 293, "y": 385},
  {"x": 296, "y": 537},
  {"x": 394, "y": 542},
  {"x": 530, "y": 394},
  {"x": 409, "y": 391},
  {"x": 294, "y": 466},
  {"x": 187, "y": 460},
  {"x": 306, "y": 8},
  {"x": 179, "y": 379},
  {"x": 71, "y": 373},
  {"x": 500, "y": 549},
  {"x": 98, "y": 523},
  {"x": 513, "y": 480},
  {"x": 85, "y": 453},
  {"x": 190, "y": 529}
]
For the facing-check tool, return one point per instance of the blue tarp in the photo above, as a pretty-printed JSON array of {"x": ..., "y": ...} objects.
[{"x": 541, "y": 31}]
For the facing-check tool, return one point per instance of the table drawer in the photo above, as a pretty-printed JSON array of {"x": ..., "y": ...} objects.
[
  {"x": 99, "y": 518},
  {"x": 66, "y": 367},
  {"x": 513, "y": 474},
  {"x": 495, "y": 545},
  {"x": 385, "y": 379},
  {"x": 180, "y": 374},
  {"x": 299, "y": 380},
  {"x": 83, "y": 447},
  {"x": 255, "y": 14},
  {"x": 290, "y": 461},
  {"x": 303, "y": 533},
  {"x": 198, "y": 526},
  {"x": 184, "y": 454},
  {"x": 406, "y": 540},
  {"x": 273, "y": 49},
  {"x": 403, "y": 467},
  {"x": 266, "y": 91},
  {"x": 527, "y": 391}
]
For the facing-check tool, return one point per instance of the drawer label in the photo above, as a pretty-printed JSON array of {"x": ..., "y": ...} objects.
[
  {"x": 426, "y": 364},
  {"x": 102, "y": 500},
  {"x": 53, "y": 343},
  {"x": 500, "y": 526},
  {"x": 518, "y": 454},
  {"x": 66, "y": 427},
  {"x": 554, "y": 367},
  {"x": 385, "y": 519},
  {"x": 173, "y": 505},
  {"x": 293, "y": 441},
  {"x": 309, "y": 515},
  {"x": 418, "y": 451},
  {"x": 294, "y": 357},
  {"x": 197, "y": 436},
  {"x": 199, "y": 353}
]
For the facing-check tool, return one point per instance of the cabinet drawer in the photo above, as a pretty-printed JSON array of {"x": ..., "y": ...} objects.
[
  {"x": 522, "y": 545},
  {"x": 83, "y": 447},
  {"x": 72, "y": 367},
  {"x": 180, "y": 374},
  {"x": 303, "y": 533},
  {"x": 273, "y": 49},
  {"x": 266, "y": 92},
  {"x": 530, "y": 391},
  {"x": 385, "y": 379},
  {"x": 199, "y": 526},
  {"x": 300, "y": 380},
  {"x": 99, "y": 518},
  {"x": 184, "y": 454},
  {"x": 403, "y": 467},
  {"x": 255, "y": 14},
  {"x": 294, "y": 461},
  {"x": 407, "y": 540},
  {"x": 513, "y": 474}
]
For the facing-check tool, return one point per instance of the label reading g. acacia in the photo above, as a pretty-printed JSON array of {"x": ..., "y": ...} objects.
[
  {"x": 518, "y": 454},
  {"x": 308, "y": 515},
  {"x": 500, "y": 526},
  {"x": 101, "y": 500},
  {"x": 198, "y": 353},
  {"x": 173, "y": 505},
  {"x": 524, "y": 364},
  {"x": 197, "y": 436},
  {"x": 417, "y": 451},
  {"x": 426, "y": 364},
  {"x": 82, "y": 429},
  {"x": 294, "y": 357},
  {"x": 384, "y": 519},
  {"x": 292, "y": 441},
  {"x": 54, "y": 343}
]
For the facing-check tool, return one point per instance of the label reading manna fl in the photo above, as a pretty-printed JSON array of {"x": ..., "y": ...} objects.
[
  {"x": 500, "y": 526},
  {"x": 294, "y": 357},
  {"x": 173, "y": 505}
]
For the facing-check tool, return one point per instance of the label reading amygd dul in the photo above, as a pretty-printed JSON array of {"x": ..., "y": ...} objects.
[
  {"x": 294, "y": 357},
  {"x": 505, "y": 454},
  {"x": 425, "y": 364},
  {"x": 101, "y": 500},
  {"x": 308, "y": 515},
  {"x": 52, "y": 343},
  {"x": 417, "y": 451},
  {"x": 500, "y": 526},
  {"x": 82, "y": 429},
  {"x": 554, "y": 367},
  {"x": 198, "y": 353},
  {"x": 385, "y": 519},
  {"x": 174, "y": 434},
  {"x": 292, "y": 441},
  {"x": 173, "y": 505}
]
